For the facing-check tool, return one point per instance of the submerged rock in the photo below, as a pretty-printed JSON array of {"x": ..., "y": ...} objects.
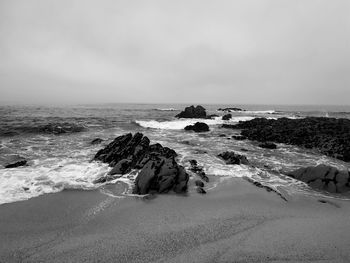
[
  {"x": 268, "y": 145},
  {"x": 96, "y": 141},
  {"x": 60, "y": 128},
  {"x": 200, "y": 190},
  {"x": 330, "y": 136},
  {"x": 239, "y": 137},
  {"x": 198, "y": 127},
  {"x": 233, "y": 158},
  {"x": 159, "y": 171},
  {"x": 13, "y": 161},
  {"x": 193, "y": 112},
  {"x": 323, "y": 177}
]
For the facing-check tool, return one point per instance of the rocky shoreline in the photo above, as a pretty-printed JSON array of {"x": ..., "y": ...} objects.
[{"x": 330, "y": 136}]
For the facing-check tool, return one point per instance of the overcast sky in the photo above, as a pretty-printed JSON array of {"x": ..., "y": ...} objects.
[{"x": 248, "y": 51}]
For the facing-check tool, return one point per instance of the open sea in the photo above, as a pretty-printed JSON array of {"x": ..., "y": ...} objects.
[{"x": 58, "y": 162}]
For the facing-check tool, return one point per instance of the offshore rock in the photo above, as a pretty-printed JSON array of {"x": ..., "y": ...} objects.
[
  {"x": 330, "y": 136},
  {"x": 198, "y": 127},
  {"x": 323, "y": 177},
  {"x": 233, "y": 158},
  {"x": 159, "y": 171},
  {"x": 226, "y": 117},
  {"x": 230, "y": 109},
  {"x": 193, "y": 112}
]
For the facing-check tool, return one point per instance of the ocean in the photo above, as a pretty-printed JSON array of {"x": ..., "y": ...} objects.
[{"x": 63, "y": 161}]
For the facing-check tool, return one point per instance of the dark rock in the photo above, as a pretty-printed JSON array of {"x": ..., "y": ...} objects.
[
  {"x": 13, "y": 161},
  {"x": 323, "y": 177},
  {"x": 227, "y": 117},
  {"x": 222, "y": 135},
  {"x": 212, "y": 116},
  {"x": 198, "y": 170},
  {"x": 159, "y": 172},
  {"x": 330, "y": 136},
  {"x": 233, "y": 158},
  {"x": 199, "y": 183},
  {"x": 268, "y": 145},
  {"x": 230, "y": 109},
  {"x": 193, "y": 112},
  {"x": 200, "y": 190},
  {"x": 266, "y": 187},
  {"x": 239, "y": 137},
  {"x": 198, "y": 127},
  {"x": 96, "y": 141}
]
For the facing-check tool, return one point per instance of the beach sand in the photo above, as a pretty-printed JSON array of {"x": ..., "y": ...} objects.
[{"x": 236, "y": 222}]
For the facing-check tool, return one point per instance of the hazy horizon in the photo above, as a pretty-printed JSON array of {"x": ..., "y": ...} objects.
[{"x": 184, "y": 52}]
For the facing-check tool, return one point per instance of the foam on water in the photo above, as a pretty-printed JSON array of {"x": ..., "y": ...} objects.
[
  {"x": 180, "y": 124},
  {"x": 49, "y": 176}
]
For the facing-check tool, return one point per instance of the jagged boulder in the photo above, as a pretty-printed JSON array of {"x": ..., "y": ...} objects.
[
  {"x": 197, "y": 112},
  {"x": 159, "y": 171},
  {"x": 233, "y": 158},
  {"x": 323, "y": 177},
  {"x": 198, "y": 127}
]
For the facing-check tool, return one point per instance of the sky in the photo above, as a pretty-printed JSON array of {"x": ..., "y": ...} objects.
[{"x": 111, "y": 51}]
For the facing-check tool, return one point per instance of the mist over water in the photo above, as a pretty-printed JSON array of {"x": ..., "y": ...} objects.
[{"x": 58, "y": 162}]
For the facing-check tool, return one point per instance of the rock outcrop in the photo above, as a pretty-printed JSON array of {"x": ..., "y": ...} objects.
[
  {"x": 193, "y": 112},
  {"x": 233, "y": 158},
  {"x": 159, "y": 171},
  {"x": 198, "y": 127},
  {"x": 226, "y": 117},
  {"x": 330, "y": 136},
  {"x": 323, "y": 177}
]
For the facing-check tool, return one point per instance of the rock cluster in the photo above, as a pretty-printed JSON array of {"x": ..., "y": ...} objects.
[
  {"x": 197, "y": 112},
  {"x": 330, "y": 136},
  {"x": 159, "y": 171},
  {"x": 233, "y": 158},
  {"x": 198, "y": 127},
  {"x": 200, "y": 172},
  {"x": 323, "y": 177}
]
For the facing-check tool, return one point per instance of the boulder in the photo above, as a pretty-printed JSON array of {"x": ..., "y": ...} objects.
[
  {"x": 159, "y": 171},
  {"x": 226, "y": 117},
  {"x": 233, "y": 158},
  {"x": 268, "y": 145},
  {"x": 198, "y": 127},
  {"x": 323, "y": 177},
  {"x": 193, "y": 112}
]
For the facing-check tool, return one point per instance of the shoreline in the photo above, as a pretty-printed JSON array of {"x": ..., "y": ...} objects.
[{"x": 237, "y": 222}]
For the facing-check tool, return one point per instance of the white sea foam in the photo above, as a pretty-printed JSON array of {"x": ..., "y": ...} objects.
[
  {"x": 261, "y": 112},
  {"x": 180, "y": 124},
  {"x": 49, "y": 176}
]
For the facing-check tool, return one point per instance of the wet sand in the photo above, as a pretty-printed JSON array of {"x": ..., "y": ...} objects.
[{"x": 236, "y": 222}]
